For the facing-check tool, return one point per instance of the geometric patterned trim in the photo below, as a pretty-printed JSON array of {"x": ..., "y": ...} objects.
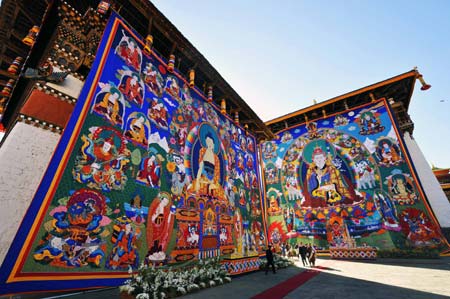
[
  {"x": 39, "y": 123},
  {"x": 62, "y": 96},
  {"x": 239, "y": 266},
  {"x": 353, "y": 253}
]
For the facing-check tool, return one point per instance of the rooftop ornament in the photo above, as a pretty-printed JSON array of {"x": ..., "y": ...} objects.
[
  {"x": 103, "y": 7},
  {"x": 15, "y": 65},
  {"x": 210, "y": 94},
  {"x": 425, "y": 86},
  {"x": 192, "y": 78},
  {"x": 223, "y": 106},
  {"x": 171, "y": 64},
  {"x": 30, "y": 39},
  {"x": 148, "y": 44}
]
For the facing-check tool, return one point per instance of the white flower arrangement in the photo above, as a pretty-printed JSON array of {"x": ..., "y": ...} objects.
[
  {"x": 150, "y": 282},
  {"x": 279, "y": 261}
]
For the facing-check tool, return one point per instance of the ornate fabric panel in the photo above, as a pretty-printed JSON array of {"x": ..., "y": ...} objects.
[
  {"x": 346, "y": 181},
  {"x": 147, "y": 171}
]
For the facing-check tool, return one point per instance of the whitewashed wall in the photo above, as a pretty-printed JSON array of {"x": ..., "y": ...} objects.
[
  {"x": 71, "y": 86},
  {"x": 24, "y": 156},
  {"x": 436, "y": 196}
]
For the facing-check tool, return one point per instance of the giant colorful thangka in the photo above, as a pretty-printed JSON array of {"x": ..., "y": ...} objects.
[
  {"x": 147, "y": 171},
  {"x": 346, "y": 181}
]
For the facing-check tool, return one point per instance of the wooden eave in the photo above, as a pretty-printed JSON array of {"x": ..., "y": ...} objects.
[{"x": 399, "y": 88}]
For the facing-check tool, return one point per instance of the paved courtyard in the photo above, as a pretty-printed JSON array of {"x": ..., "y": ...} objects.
[{"x": 383, "y": 278}]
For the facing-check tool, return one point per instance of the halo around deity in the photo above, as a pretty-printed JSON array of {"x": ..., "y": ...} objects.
[
  {"x": 388, "y": 141},
  {"x": 318, "y": 145},
  {"x": 205, "y": 131}
]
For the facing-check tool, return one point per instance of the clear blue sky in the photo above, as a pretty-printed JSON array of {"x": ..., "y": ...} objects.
[{"x": 279, "y": 56}]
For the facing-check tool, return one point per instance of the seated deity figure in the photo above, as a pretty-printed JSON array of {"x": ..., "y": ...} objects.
[
  {"x": 150, "y": 172},
  {"x": 129, "y": 51},
  {"x": 109, "y": 105},
  {"x": 137, "y": 130},
  {"x": 274, "y": 205},
  {"x": 153, "y": 79},
  {"x": 208, "y": 173},
  {"x": 388, "y": 153},
  {"x": 104, "y": 150},
  {"x": 131, "y": 88},
  {"x": 370, "y": 123},
  {"x": 402, "y": 190},
  {"x": 325, "y": 183}
]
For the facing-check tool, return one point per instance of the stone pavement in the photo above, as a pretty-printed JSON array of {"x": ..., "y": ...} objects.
[{"x": 383, "y": 278}]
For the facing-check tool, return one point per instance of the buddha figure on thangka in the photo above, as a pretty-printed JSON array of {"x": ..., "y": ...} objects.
[
  {"x": 337, "y": 233},
  {"x": 208, "y": 170},
  {"x": 150, "y": 170},
  {"x": 158, "y": 114},
  {"x": 269, "y": 149},
  {"x": 387, "y": 209},
  {"x": 274, "y": 200}
]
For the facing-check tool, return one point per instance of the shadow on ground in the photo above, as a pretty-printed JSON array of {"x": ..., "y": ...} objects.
[{"x": 324, "y": 285}]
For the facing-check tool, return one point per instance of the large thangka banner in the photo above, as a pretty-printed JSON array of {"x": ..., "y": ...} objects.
[
  {"x": 146, "y": 172},
  {"x": 344, "y": 181}
]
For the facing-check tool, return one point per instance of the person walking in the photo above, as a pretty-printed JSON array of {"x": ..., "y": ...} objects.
[
  {"x": 308, "y": 251},
  {"x": 312, "y": 257},
  {"x": 283, "y": 249},
  {"x": 302, "y": 253},
  {"x": 269, "y": 257}
]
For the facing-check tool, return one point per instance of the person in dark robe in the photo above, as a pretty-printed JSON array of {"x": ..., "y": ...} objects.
[
  {"x": 269, "y": 257},
  {"x": 302, "y": 253}
]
